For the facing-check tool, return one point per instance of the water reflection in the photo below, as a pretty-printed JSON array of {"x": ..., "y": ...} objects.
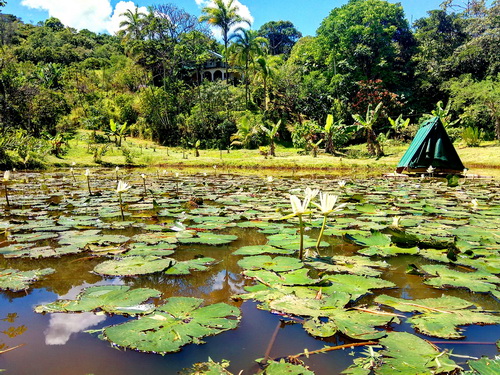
[{"x": 62, "y": 326}]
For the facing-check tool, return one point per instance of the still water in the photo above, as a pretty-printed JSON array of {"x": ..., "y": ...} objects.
[{"x": 57, "y": 344}]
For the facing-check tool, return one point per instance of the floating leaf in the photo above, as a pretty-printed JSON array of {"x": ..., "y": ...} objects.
[
  {"x": 484, "y": 366},
  {"x": 133, "y": 265},
  {"x": 355, "y": 265},
  {"x": 296, "y": 277},
  {"x": 112, "y": 299},
  {"x": 440, "y": 317},
  {"x": 180, "y": 321},
  {"x": 209, "y": 239},
  {"x": 445, "y": 277},
  {"x": 283, "y": 368},
  {"x": 277, "y": 264},
  {"x": 185, "y": 267},
  {"x": 261, "y": 249},
  {"x": 20, "y": 280}
]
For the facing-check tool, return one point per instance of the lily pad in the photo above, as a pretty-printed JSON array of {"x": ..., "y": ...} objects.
[
  {"x": 185, "y": 267},
  {"x": 440, "y": 317},
  {"x": 484, "y": 366},
  {"x": 112, "y": 299},
  {"x": 180, "y": 321},
  {"x": 133, "y": 265},
  {"x": 261, "y": 249},
  {"x": 15, "y": 280},
  {"x": 355, "y": 265},
  {"x": 209, "y": 239},
  {"x": 277, "y": 264},
  {"x": 445, "y": 277}
]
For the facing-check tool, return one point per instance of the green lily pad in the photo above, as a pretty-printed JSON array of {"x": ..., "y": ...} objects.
[
  {"x": 20, "y": 280},
  {"x": 440, "y": 317},
  {"x": 355, "y": 285},
  {"x": 112, "y": 299},
  {"x": 283, "y": 368},
  {"x": 261, "y": 249},
  {"x": 133, "y": 265},
  {"x": 484, "y": 366},
  {"x": 185, "y": 267},
  {"x": 207, "y": 368},
  {"x": 375, "y": 239},
  {"x": 277, "y": 264},
  {"x": 355, "y": 265},
  {"x": 209, "y": 239},
  {"x": 442, "y": 277},
  {"x": 180, "y": 321},
  {"x": 295, "y": 277}
]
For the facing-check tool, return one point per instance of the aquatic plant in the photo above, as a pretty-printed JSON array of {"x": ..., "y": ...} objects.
[
  {"x": 6, "y": 178},
  {"x": 120, "y": 189}
]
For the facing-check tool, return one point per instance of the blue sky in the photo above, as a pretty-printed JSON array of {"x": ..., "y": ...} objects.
[{"x": 103, "y": 15}]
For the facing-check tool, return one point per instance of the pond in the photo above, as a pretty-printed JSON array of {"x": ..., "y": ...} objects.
[{"x": 206, "y": 265}]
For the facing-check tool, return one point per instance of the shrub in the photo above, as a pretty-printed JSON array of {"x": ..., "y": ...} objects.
[{"x": 471, "y": 136}]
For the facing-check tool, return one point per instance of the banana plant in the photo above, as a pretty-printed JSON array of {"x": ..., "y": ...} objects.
[
  {"x": 271, "y": 133},
  {"x": 118, "y": 131},
  {"x": 367, "y": 124}
]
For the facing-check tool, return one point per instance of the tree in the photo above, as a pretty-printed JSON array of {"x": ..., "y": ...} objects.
[
  {"x": 133, "y": 24},
  {"x": 282, "y": 36},
  {"x": 246, "y": 47},
  {"x": 367, "y": 40},
  {"x": 223, "y": 15},
  {"x": 367, "y": 124},
  {"x": 470, "y": 95}
]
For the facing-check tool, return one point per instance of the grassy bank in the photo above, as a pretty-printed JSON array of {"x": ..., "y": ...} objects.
[{"x": 148, "y": 154}]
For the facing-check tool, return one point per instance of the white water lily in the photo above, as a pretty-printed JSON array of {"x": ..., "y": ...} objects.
[
  {"x": 73, "y": 163},
  {"x": 396, "y": 220},
  {"x": 474, "y": 203},
  {"x": 143, "y": 176},
  {"x": 122, "y": 187},
  {"x": 341, "y": 183},
  {"x": 117, "y": 169},
  {"x": 87, "y": 172},
  {"x": 431, "y": 169},
  {"x": 298, "y": 207},
  {"x": 176, "y": 174},
  {"x": 327, "y": 203},
  {"x": 311, "y": 193},
  {"x": 270, "y": 179},
  {"x": 6, "y": 176}
]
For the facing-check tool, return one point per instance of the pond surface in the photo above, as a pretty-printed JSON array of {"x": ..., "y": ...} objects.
[{"x": 54, "y": 222}]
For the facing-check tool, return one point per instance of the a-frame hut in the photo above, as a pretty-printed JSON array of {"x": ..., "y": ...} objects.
[{"x": 431, "y": 147}]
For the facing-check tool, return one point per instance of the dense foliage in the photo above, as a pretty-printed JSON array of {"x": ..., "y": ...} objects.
[{"x": 154, "y": 75}]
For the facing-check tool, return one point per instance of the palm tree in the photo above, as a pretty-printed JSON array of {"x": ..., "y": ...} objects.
[
  {"x": 224, "y": 16},
  {"x": 247, "y": 45},
  {"x": 367, "y": 124},
  {"x": 133, "y": 23},
  {"x": 265, "y": 71}
]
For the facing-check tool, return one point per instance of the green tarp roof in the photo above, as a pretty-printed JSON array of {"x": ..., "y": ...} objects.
[{"x": 431, "y": 147}]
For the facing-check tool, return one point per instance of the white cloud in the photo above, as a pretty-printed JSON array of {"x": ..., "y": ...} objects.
[
  {"x": 243, "y": 11},
  {"x": 95, "y": 15}
]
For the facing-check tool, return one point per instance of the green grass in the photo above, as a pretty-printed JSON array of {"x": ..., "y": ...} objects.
[{"x": 355, "y": 160}]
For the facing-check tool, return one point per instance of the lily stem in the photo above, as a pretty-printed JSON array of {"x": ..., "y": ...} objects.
[
  {"x": 321, "y": 232},
  {"x": 6, "y": 194},
  {"x": 121, "y": 206},
  {"x": 301, "y": 226},
  {"x": 88, "y": 185}
]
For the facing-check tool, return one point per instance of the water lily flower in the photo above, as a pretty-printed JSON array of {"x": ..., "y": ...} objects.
[
  {"x": 311, "y": 193},
  {"x": 6, "y": 176},
  {"x": 431, "y": 169},
  {"x": 299, "y": 208},
  {"x": 73, "y": 163},
  {"x": 122, "y": 187},
  {"x": 270, "y": 179},
  {"x": 176, "y": 174},
  {"x": 326, "y": 206},
  {"x": 396, "y": 221},
  {"x": 341, "y": 183},
  {"x": 474, "y": 203},
  {"x": 327, "y": 203},
  {"x": 87, "y": 172}
]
